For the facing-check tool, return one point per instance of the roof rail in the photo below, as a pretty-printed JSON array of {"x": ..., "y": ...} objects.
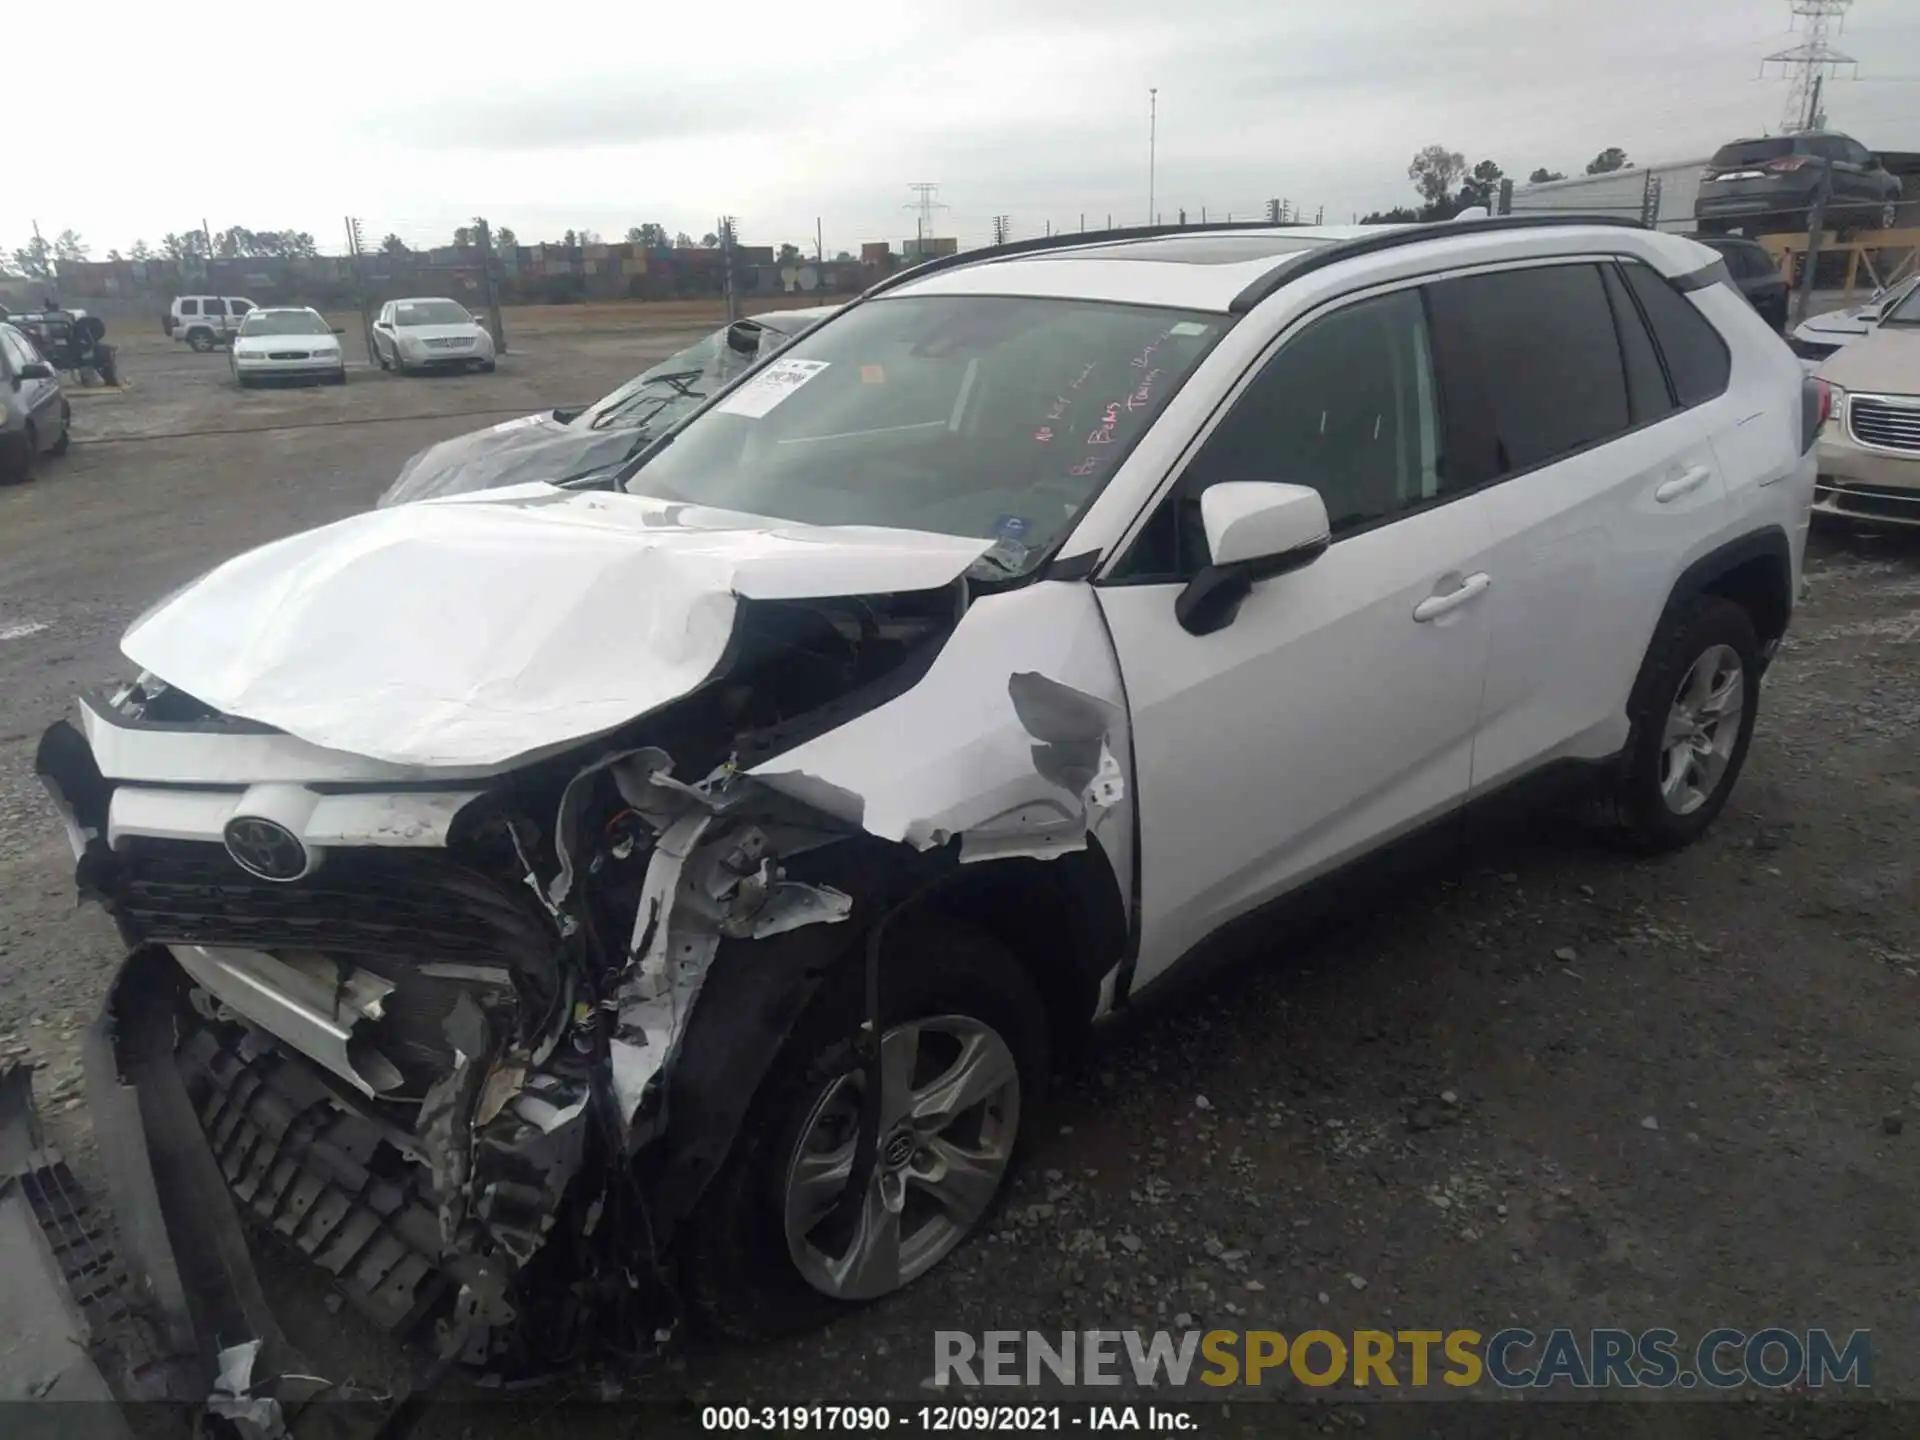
[
  {"x": 1066, "y": 240},
  {"x": 1305, "y": 262}
]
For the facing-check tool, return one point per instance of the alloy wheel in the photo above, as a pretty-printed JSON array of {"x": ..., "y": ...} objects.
[
  {"x": 1703, "y": 726},
  {"x": 949, "y": 1117}
]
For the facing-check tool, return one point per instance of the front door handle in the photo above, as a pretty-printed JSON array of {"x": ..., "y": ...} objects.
[
  {"x": 1434, "y": 606},
  {"x": 1685, "y": 484}
]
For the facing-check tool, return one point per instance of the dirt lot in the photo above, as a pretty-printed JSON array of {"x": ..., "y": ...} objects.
[{"x": 1540, "y": 1085}]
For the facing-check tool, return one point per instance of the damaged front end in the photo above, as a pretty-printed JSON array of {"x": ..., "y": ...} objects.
[{"x": 430, "y": 1025}]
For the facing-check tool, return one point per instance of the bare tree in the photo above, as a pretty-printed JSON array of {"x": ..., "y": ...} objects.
[
  {"x": 1607, "y": 161},
  {"x": 69, "y": 247},
  {"x": 140, "y": 251},
  {"x": 683, "y": 241},
  {"x": 1435, "y": 172}
]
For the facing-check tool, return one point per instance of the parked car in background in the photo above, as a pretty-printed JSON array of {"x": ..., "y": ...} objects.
[
  {"x": 1818, "y": 338},
  {"x": 35, "y": 418},
  {"x": 540, "y": 901},
  {"x": 1754, "y": 275},
  {"x": 1870, "y": 446},
  {"x": 1771, "y": 183},
  {"x": 430, "y": 333},
  {"x": 206, "y": 321},
  {"x": 287, "y": 344},
  {"x": 579, "y": 447}
]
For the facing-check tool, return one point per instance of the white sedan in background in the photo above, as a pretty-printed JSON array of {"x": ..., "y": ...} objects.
[
  {"x": 430, "y": 334},
  {"x": 287, "y": 344}
]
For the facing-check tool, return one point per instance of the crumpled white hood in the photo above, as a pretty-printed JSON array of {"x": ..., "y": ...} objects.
[{"x": 473, "y": 630}]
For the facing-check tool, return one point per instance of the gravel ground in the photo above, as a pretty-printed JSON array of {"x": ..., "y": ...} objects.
[{"x": 1540, "y": 1084}]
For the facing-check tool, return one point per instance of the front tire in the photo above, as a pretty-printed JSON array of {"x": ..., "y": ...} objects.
[
  {"x": 25, "y": 462},
  {"x": 964, "y": 1053},
  {"x": 65, "y": 442},
  {"x": 1700, "y": 693}
]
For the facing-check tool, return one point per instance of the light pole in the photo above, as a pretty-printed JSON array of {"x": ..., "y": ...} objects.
[{"x": 1153, "y": 136}]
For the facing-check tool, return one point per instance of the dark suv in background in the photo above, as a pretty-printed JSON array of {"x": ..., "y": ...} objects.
[
  {"x": 1771, "y": 183},
  {"x": 1755, "y": 274}
]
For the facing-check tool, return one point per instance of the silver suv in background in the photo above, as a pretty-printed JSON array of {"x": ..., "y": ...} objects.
[{"x": 35, "y": 418}]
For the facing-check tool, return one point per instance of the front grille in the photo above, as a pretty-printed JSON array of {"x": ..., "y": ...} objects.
[
  {"x": 1889, "y": 425},
  {"x": 453, "y": 344},
  {"x": 387, "y": 905},
  {"x": 287, "y": 355}
]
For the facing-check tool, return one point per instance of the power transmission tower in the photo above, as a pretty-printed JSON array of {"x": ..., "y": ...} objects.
[
  {"x": 1002, "y": 229},
  {"x": 1807, "y": 63},
  {"x": 1273, "y": 212},
  {"x": 726, "y": 226},
  {"x": 926, "y": 205}
]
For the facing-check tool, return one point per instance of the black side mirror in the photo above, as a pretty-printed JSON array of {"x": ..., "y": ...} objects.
[
  {"x": 339, "y": 329},
  {"x": 34, "y": 370},
  {"x": 743, "y": 336}
]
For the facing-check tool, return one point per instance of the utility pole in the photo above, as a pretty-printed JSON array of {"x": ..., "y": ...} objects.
[
  {"x": 1811, "y": 61},
  {"x": 356, "y": 247},
  {"x": 1153, "y": 141},
  {"x": 726, "y": 268},
  {"x": 1816, "y": 220},
  {"x": 483, "y": 236},
  {"x": 926, "y": 205},
  {"x": 819, "y": 242}
]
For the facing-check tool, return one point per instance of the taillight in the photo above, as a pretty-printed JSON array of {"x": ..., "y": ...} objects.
[
  {"x": 1790, "y": 162},
  {"x": 1816, "y": 408}
]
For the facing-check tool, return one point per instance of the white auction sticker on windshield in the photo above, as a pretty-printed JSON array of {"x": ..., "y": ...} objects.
[{"x": 770, "y": 387}]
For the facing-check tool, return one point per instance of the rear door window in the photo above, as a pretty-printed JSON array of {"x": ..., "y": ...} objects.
[
  {"x": 1648, "y": 396},
  {"x": 1530, "y": 368},
  {"x": 1696, "y": 357}
]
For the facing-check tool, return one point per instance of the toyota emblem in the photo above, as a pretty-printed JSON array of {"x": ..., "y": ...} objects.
[{"x": 267, "y": 849}]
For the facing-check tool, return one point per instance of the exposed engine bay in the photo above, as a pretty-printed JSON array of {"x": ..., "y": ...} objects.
[{"x": 437, "y": 1071}]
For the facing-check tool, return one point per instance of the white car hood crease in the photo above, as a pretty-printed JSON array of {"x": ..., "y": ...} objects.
[{"x": 477, "y": 629}]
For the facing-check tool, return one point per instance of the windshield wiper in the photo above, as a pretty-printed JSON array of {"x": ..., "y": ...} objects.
[{"x": 680, "y": 382}]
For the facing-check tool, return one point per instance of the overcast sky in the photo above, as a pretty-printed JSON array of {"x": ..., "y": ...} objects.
[{"x": 291, "y": 117}]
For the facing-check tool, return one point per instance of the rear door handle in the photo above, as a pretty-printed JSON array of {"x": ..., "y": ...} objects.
[
  {"x": 1434, "y": 606},
  {"x": 1684, "y": 484}
]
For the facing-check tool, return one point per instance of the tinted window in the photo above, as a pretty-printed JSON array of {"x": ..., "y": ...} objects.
[
  {"x": 1858, "y": 154},
  {"x": 216, "y": 307},
  {"x": 1751, "y": 152},
  {"x": 1530, "y": 365},
  {"x": 1648, "y": 397},
  {"x": 189, "y": 307},
  {"x": 1696, "y": 356},
  {"x": 1346, "y": 407}
]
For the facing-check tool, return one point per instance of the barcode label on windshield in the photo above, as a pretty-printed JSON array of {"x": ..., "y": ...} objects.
[{"x": 772, "y": 385}]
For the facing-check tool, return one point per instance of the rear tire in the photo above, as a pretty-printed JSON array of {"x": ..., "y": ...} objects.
[
  {"x": 200, "y": 340},
  {"x": 737, "y": 1261},
  {"x": 27, "y": 458},
  {"x": 1685, "y": 750}
]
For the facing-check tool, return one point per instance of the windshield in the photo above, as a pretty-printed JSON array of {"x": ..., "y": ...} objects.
[
  {"x": 1905, "y": 312},
  {"x": 430, "y": 312},
  {"x": 984, "y": 416},
  {"x": 657, "y": 397},
  {"x": 284, "y": 322}
]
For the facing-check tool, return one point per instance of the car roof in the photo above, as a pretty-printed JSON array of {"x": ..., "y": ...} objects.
[
  {"x": 423, "y": 299},
  {"x": 1220, "y": 269},
  {"x": 284, "y": 310}
]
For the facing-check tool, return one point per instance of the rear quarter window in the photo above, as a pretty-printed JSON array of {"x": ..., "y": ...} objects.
[
  {"x": 189, "y": 307},
  {"x": 1697, "y": 359}
]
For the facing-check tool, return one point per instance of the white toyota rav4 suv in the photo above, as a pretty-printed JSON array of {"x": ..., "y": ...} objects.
[{"x": 535, "y": 894}]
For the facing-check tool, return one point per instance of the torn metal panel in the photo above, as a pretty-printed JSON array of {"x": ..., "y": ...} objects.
[
  {"x": 619, "y": 604},
  {"x": 304, "y": 1000},
  {"x": 1015, "y": 741}
]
